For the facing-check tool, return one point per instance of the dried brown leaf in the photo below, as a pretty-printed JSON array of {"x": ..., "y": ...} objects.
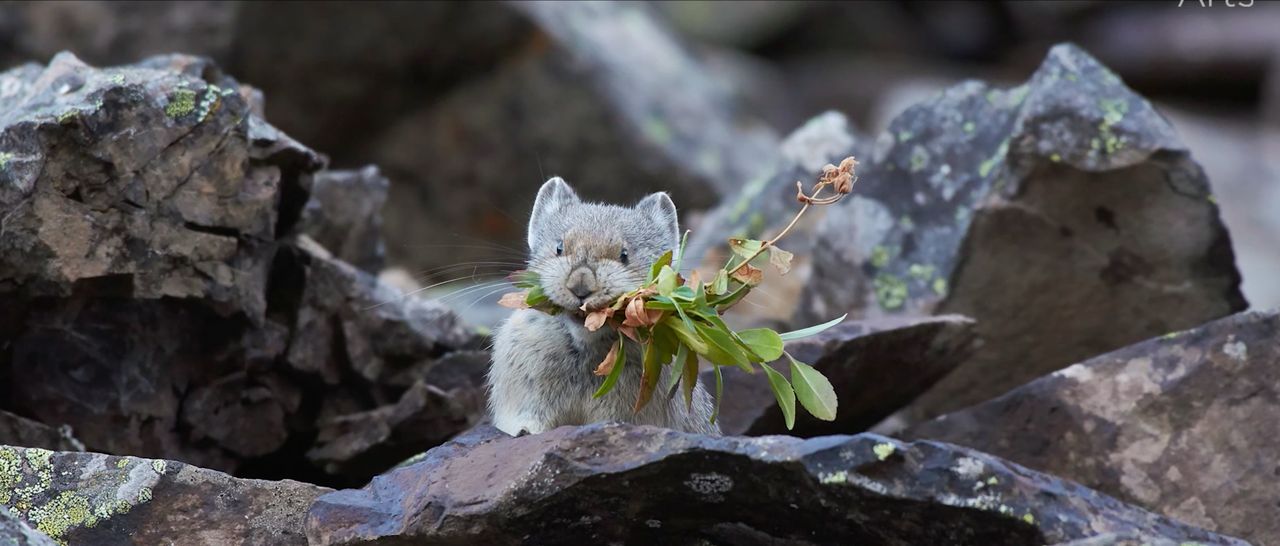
[
  {"x": 606, "y": 365},
  {"x": 748, "y": 275},
  {"x": 514, "y": 300},
  {"x": 596, "y": 319}
]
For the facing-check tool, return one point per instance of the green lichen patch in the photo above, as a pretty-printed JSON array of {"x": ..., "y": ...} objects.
[
  {"x": 5, "y": 158},
  {"x": 921, "y": 272},
  {"x": 985, "y": 168},
  {"x": 880, "y": 256},
  {"x": 181, "y": 103},
  {"x": 883, "y": 450},
  {"x": 904, "y": 136},
  {"x": 969, "y": 127},
  {"x": 919, "y": 159},
  {"x": 891, "y": 292},
  {"x": 940, "y": 286}
]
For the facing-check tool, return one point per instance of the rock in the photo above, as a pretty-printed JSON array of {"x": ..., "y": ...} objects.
[
  {"x": 147, "y": 203},
  {"x": 875, "y": 366},
  {"x": 1183, "y": 425},
  {"x": 344, "y": 215},
  {"x": 16, "y": 532},
  {"x": 116, "y": 32},
  {"x": 20, "y": 431},
  {"x": 90, "y": 498},
  {"x": 615, "y": 104},
  {"x": 580, "y": 483},
  {"x": 1064, "y": 215},
  {"x": 97, "y": 161},
  {"x": 451, "y": 398}
]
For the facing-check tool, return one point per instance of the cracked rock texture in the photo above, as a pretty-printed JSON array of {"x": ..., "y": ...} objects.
[
  {"x": 91, "y": 498},
  {"x": 1064, "y": 215},
  {"x": 1184, "y": 425},
  {"x": 573, "y": 484},
  {"x": 154, "y": 297}
]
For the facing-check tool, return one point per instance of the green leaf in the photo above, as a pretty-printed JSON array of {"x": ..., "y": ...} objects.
[
  {"x": 722, "y": 349},
  {"x": 612, "y": 379},
  {"x": 813, "y": 390},
  {"x": 732, "y": 298},
  {"x": 812, "y": 330},
  {"x": 536, "y": 297},
  {"x": 765, "y": 343},
  {"x": 666, "y": 280},
  {"x": 719, "y": 392},
  {"x": 783, "y": 392},
  {"x": 652, "y": 371},
  {"x": 780, "y": 259},
  {"x": 657, "y": 266},
  {"x": 687, "y": 336},
  {"x": 745, "y": 247},
  {"x": 684, "y": 241},
  {"x": 683, "y": 293},
  {"x": 721, "y": 283},
  {"x": 690, "y": 377},
  {"x": 673, "y": 378}
]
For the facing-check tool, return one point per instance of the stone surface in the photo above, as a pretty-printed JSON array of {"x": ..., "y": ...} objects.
[
  {"x": 154, "y": 295},
  {"x": 605, "y": 483},
  {"x": 1184, "y": 425},
  {"x": 90, "y": 498},
  {"x": 16, "y": 430},
  {"x": 1064, "y": 215},
  {"x": 875, "y": 366},
  {"x": 15, "y": 532},
  {"x": 612, "y": 102},
  {"x": 344, "y": 215}
]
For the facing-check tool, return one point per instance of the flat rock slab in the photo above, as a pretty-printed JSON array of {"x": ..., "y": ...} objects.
[
  {"x": 876, "y": 367},
  {"x": 90, "y": 498},
  {"x": 604, "y": 483},
  {"x": 1064, "y": 215},
  {"x": 1185, "y": 425},
  {"x": 16, "y": 430}
]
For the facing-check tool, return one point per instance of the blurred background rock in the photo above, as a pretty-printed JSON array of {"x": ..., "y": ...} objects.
[{"x": 467, "y": 107}]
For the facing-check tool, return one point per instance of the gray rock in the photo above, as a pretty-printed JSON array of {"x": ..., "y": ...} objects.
[
  {"x": 604, "y": 483},
  {"x": 16, "y": 532},
  {"x": 1184, "y": 425},
  {"x": 344, "y": 215},
  {"x": 875, "y": 366},
  {"x": 615, "y": 105},
  {"x": 90, "y": 498},
  {"x": 19, "y": 431},
  {"x": 148, "y": 203},
  {"x": 1064, "y": 215}
]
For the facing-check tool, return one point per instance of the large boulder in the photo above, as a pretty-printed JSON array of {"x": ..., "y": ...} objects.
[
  {"x": 1184, "y": 425},
  {"x": 154, "y": 294},
  {"x": 611, "y": 101},
  {"x": 605, "y": 483},
  {"x": 91, "y": 498},
  {"x": 1064, "y": 215},
  {"x": 876, "y": 367}
]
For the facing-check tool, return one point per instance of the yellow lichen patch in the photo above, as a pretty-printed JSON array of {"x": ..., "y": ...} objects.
[
  {"x": 159, "y": 465},
  {"x": 65, "y": 512},
  {"x": 883, "y": 451},
  {"x": 834, "y": 477},
  {"x": 1029, "y": 518},
  {"x": 10, "y": 464}
]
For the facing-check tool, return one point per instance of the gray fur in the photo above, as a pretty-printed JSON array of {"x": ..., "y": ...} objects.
[{"x": 542, "y": 374}]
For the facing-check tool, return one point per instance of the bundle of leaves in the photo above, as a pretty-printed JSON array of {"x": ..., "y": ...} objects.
[{"x": 678, "y": 320}]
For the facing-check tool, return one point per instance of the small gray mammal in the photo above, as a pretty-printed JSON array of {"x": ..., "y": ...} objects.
[{"x": 585, "y": 254}]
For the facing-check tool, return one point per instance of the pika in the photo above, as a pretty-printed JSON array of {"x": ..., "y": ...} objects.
[{"x": 586, "y": 255}]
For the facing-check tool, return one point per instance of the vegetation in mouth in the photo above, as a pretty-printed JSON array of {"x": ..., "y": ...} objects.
[{"x": 677, "y": 320}]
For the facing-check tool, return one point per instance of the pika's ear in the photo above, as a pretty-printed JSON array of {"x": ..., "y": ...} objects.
[
  {"x": 552, "y": 199},
  {"x": 659, "y": 208}
]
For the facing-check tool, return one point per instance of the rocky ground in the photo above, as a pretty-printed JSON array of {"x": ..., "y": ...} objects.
[{"x": 1048, "y": 342}]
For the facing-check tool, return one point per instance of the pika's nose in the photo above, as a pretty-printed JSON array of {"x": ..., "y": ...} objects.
[{"x": 582, "y": 283}]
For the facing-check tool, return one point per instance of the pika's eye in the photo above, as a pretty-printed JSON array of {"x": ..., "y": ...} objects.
[
  {"x": 622, "y": 257},
  {"x": 560, "y": 248}
]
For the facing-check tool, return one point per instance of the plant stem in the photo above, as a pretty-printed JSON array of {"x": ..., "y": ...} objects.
[{"x": 780, "y": 235}]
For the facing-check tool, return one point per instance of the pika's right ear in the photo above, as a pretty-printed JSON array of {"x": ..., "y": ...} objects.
[{"x": 552, "y": 199}]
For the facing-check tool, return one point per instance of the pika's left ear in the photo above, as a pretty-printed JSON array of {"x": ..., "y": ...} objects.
[{"x": 662, "y": 211}]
